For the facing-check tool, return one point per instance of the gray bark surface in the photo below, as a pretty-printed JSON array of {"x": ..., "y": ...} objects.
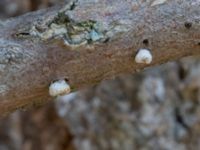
[{"x": 60, "y": 42}]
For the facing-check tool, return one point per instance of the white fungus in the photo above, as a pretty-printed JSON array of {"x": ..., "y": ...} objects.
[
  {"x": 143, "y": 56},
  {"x": 59, "y": 88}
]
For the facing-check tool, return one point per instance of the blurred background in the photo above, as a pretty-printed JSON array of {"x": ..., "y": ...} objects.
[{"x": 156, "y": 109}]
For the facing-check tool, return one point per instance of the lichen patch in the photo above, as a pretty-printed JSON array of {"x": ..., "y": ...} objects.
[
  {"x": 71, "y": 32},
  {"x": 74, "y": 33}
]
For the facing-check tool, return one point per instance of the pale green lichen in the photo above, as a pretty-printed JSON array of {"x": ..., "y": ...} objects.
[
  {"x": 75, "y": 33},
  {"x": 53, "y": 31},
  {"x": 95, "y": 36},
  {"x": 71, "y": 32}
]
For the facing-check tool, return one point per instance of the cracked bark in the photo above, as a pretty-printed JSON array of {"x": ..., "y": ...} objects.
[{"x": 29, "y": 62}]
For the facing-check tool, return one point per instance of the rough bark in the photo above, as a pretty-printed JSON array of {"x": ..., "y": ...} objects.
[
  {"x": 89, "y": 41},
  {"x": 157, "y": 109}
]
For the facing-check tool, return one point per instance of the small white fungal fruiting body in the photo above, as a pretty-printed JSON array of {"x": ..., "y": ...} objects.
[
  {"x": 59, "y": 88},
  {"x": 143, "y": 56}
]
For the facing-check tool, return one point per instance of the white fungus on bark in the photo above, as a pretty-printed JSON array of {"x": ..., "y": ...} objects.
[
  {"x": 143, "y": 56},
  {"x": 59, "y": 88}
]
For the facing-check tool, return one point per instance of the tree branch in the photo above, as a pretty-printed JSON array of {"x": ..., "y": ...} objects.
[{"x": 89, "y": 41}]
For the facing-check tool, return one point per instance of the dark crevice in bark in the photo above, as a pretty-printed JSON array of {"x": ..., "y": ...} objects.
[
  {"x": 188, "y": 25},
  {"x": 180, "y": 119},
  {"x": 146, "y": 42}
]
